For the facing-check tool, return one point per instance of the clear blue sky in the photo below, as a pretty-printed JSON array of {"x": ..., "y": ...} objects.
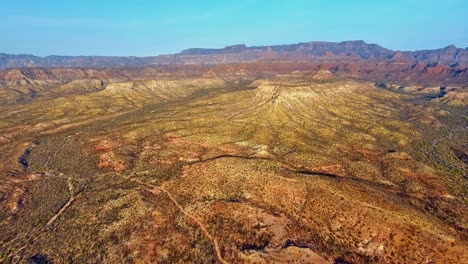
[{"x": 141, "y": 28}]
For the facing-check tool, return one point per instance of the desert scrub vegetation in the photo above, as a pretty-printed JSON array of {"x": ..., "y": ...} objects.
[{"x": 272, "y": 170}]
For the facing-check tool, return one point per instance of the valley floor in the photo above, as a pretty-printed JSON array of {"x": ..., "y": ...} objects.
[{"x": 209, "y": 169}]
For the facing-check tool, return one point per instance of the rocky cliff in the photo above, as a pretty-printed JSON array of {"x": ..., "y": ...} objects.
[{"x": 308, "y": 51}]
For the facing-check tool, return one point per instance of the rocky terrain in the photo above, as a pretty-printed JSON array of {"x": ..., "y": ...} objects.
[
  {"x": 260, "y": 162},
  {"x": 404, "y": 73},
  {"x": 307, "y": 153}
]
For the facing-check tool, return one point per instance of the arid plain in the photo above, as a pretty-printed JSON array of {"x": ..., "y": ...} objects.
[{"x": 258, "y": 162}]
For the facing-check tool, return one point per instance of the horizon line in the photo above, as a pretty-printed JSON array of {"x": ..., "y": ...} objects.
[{"x": 226, "y": 46}]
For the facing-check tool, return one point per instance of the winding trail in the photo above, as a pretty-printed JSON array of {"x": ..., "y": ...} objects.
[
  {"x": 154, "y": 189},
  {"x": 70, "y": 201}
]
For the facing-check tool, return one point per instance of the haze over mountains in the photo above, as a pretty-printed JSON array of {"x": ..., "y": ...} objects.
[
  {"x": 326, "y": 51},
  {"x": 348, "y": 59}
]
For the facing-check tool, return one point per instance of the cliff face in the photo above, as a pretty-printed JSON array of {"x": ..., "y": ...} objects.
[
  {"x": 447, "y": 54},
  {"x": 309, "y": 51},
  {"x": 396, "y": 71}
]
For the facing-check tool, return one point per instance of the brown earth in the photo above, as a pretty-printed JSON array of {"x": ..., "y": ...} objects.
[{"x": 265, "y": 162}]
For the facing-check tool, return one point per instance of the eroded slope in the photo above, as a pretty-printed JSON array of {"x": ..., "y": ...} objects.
[{"x": 307, "y": 168}]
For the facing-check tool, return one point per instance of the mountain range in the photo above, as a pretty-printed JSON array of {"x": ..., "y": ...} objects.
[{"x": 308, "y": 51}]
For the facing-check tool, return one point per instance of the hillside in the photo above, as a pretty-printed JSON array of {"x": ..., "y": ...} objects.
[{"x": 261, "y": 162}]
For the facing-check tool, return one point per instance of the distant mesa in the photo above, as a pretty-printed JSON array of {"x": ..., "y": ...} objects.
[
  {"x": 355, "y": 50},
  {"x": 227, "y": 49}
]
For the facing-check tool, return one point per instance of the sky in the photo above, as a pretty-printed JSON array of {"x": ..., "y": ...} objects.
[{"x": 145, "y": 28}]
